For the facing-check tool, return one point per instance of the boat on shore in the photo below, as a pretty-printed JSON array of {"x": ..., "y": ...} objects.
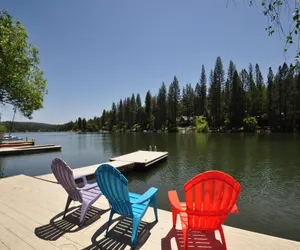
[{"x": 11, "y": 138}]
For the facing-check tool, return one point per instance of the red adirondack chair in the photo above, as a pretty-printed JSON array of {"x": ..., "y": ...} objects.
[{"x": 210, "y": 198}]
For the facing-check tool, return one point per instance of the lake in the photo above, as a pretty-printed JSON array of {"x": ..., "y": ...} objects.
[{"x": 266, "y": 166}]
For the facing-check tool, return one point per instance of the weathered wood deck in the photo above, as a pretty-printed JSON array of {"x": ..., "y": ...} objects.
[
  {"x": 142, "y": 158},
  {"x": 29, "y": 149},
  {"x": 31, "y": 218}
]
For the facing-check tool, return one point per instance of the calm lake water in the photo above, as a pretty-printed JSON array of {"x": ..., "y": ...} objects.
[{"x": 267, "y": 167}]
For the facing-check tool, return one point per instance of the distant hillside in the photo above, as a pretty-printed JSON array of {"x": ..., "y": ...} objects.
[{"x": 33, "y": 127}]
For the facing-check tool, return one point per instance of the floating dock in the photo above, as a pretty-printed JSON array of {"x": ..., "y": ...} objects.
[
  {"x": 16, "y": 144},
  {"x": 139, "y": 159},
  {"x": 142, "y": 158},
  {"x": 29, "y": 149}
]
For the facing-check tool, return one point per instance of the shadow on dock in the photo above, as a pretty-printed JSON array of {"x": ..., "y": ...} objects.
[
  {"x": 57, "y": 226},
  {"x": 196, "y": 240},
  {"x": 119, "y": 236}
]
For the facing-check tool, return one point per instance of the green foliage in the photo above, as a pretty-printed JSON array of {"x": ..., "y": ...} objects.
[
  {"x": 173, "y": 102},
  {"x": 217, "y": 82},
  {"x": 84, "y": 124},
  {"x": 227, "y": 123},
  {"x": 136, "y": 128},
  {"x": 161, "y": 116},
  {"x": 148, "y": 109},
  {"x": 236, "y": 103},
  {"x": 274, "y": 11},
  {"x": 250, "y": 123},
  {"x": 243, "y": 95},
  {"x": 201, "y": 124},
  {"x": 35, "y": 126},
  {"x": 2, "y": 129},
  {"x": 188, "y": 97},
  {"x": 22, "y": 83}
]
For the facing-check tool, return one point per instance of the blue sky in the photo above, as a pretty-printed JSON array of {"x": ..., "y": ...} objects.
[{"x": 96, "y": 52}]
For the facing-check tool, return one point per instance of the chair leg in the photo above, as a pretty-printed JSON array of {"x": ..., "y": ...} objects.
[
  {"x": 174, "y": 215},
  {"x": 67, "y": 206},
  {"x": 109, "y": 220},
  {"x": 154, "y": 204},
  {"x": 185, "y": 237},
  {"x": 222, "y": 237},
  {"x": 135, "y": 226},
  {"x": 84, "y": 209}
]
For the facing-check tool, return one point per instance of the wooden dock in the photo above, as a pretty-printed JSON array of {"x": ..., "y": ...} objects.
[
  {"x": 31, "y": 218},
  {"x": 123, "y": 163},
  {"x": 16, "y": 144},
  {"x": 89, "y": 171},
  {"x": 142, "y": 158},
  {"x": 29, "y": 149}
]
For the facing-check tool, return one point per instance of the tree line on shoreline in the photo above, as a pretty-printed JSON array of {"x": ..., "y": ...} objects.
[{"x": 238, "y": 101}]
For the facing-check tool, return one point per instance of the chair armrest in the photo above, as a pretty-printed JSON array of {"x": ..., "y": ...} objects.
[
  {"x": 235, "y": 209},
  {"x": 174, "y": 201},
  {"x": 146, "y": 196},
  {"x": 82, "y": 177}
]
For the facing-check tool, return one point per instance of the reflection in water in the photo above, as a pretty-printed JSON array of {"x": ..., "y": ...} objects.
[{"x": 267, "y": 166}]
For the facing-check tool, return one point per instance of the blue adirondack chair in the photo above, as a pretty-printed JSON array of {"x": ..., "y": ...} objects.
[{"x": 114, "y": 187}]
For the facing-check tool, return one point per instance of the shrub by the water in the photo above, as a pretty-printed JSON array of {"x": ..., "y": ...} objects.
[
  {"x": 201, "y": 124},
  {"x": 250, "y": 123}
]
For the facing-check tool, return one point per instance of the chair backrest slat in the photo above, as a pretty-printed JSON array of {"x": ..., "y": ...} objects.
[
  {"x": 114, "y": 187},
  {"x": 64, "y": 175},
  {"x": 210, "y": 197}
]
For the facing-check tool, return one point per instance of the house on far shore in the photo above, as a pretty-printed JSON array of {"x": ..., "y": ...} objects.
[{"x": 184, "y": 121}]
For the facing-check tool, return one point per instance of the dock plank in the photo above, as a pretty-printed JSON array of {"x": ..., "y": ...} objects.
[
  {"x": 11, "y": 240},
  {"x": 29, "y": 149}
]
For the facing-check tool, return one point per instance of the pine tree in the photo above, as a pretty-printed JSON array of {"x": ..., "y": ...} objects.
[
  {"x": 260, "y": 92},
  {"x": 218, "y": 82},
  {"x": 227, "y": 89},
  {"x": 148, "y": 110},
  {"x": 104, "y": 119},
  {"x": 161, "y": 117},
  {"x": 203, "y": 94},
  {"x": 211, "y": 93},
  {"x": 244, "y": 77},
  {"x": 84, "y": 124},
  {"x": 133, "y": 109},
  {"x": 271, "y": 99},
  {"x": 139, "y": 116},
  {"x": 127, "y": 112},
  {"x": 237, "y": 104},
  {"x": 197, "y": 102},
  {"x": 173, "y": 102},
  {"x": 121, "y": 114},
  {"x": 153, "y": 122},
  {"x": 251, "y": 94},
  {"x": 113, "y": 115},
  {"x": 79, "y": 123},
  {"x": 188, "y": 100}
]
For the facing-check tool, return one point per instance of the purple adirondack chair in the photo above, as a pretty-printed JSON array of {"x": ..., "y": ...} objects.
[{"x": 86, "y": 195}]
